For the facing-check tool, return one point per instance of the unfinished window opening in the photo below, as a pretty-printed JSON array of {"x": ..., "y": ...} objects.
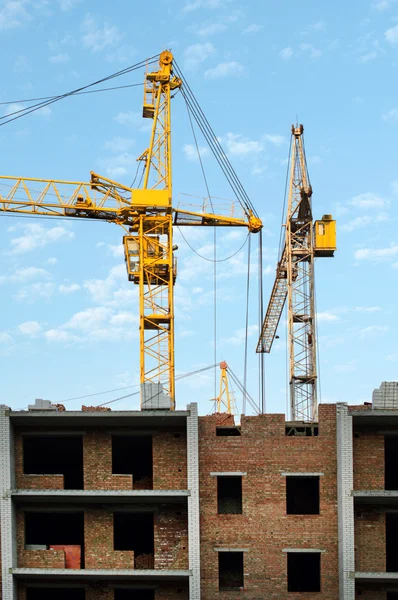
[
  {"x": 390, "y": 462},
  {"x": 302, "y": 495},
  {"x": 230, "y": 571},
  {"x": 134, "y": 594},
  {"x": 229, "y": 495},
  {"x": 304, "y": 572},
  {"x": 392, "y": 595},
  {"x": 227, "y": 431},
  {"x": 48, "y": 529},
  {"x": 304, "y": 431},
  {"x": 392, "y": 542},
  {"x": 135, "y": 531},
  {"x": 49, "y": 593},
  {"x": 132, "y": 455},
  {"x": 55, "y": 455}
]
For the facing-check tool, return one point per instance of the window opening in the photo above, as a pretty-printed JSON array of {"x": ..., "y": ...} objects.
[
  {"x": 304, "y": 572},
  {"x": 55, "y": 455},
  {"x": 391, "y": 542},
  {"x": 302, "y": 495},
  {"x": 227, "y": 431},
  {"x": 132, "y": 455},
  {"x": 60, "y": 593},
  {"x": 55, "y": 529},
  {"x": 229, "y": 495},
  {"x": 135, "y": 531},
  {"x": 134, "y": 594},
  {"x": 230, "y": 571},
  {"x": 390, "y": 462}
]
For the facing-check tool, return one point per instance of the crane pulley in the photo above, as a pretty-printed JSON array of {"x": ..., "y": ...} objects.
[
  {"x": 304, "y": 240},
  {"x": 147, "y": 216}
]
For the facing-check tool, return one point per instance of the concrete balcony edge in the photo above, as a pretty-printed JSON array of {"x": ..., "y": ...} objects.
[
  {"x": 376, "y": 576},
  {"x": 102, "y": 574},
  {"x": 94, "y": 496}
]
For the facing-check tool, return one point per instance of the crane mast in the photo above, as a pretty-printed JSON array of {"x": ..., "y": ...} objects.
[{"x": 304, "y": 240}]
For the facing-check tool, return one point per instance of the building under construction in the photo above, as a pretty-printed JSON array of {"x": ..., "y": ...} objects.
[
  {"x": 162, "y": 503},
  {"x": 159, "y": 504}
]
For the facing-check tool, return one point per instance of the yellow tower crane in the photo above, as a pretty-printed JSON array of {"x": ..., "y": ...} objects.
[
  {"x": 147, "y": 216},
  {"x": 304, "y": 240},
  {"x": 225, "y": 401}
]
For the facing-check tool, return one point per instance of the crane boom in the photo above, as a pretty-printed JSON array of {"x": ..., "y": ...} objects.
[
  {"x": 304, "y": 240},
  {"x": 147, "y": 216}
]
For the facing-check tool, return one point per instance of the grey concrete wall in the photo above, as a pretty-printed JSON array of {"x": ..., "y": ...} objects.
[
  {"x": 345, "y": 503},
  {"x": 7, "y": 513},
  {"x": 193, "y": 502}
]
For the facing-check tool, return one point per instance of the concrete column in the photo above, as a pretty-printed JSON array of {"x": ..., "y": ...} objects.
[
  {"x": 345, "y": 503},
  {"x": 193, "y": 501},
  {"x": 7, "y": 514}
]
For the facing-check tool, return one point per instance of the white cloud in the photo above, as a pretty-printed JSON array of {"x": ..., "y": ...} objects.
[
  {"x": 59, "y": 336},
  {"x": 372, "y": 330},
  {"x": 36, "y": 236},
  {"x": 52, "y": 260},
  {"x": 119, "y": 144},
  {"x": 363, "y": 221},
  {"x": 375, "y": 52},
  {"x": 114, "y": 290},
  {"x": 211, "y": 29},
  {"x": 96, "y": 37},
  {"x": 326, "y": 316},
  {"x": 119, "y": 165},
  {"x": 367, "y": 309},
  {"x": 210, "y": 4},
  {"x": 69, "y": 289},
  {"x": 13, "y": 108},
  {"x": 239, "y": 335},
  {"x": 35, "y": 291},
  {"x": 238, "y": 145},
  {"x": 318, "y": 26},
  {"x": 382, "y": 4},
  {"x": 5, "y": 338},
  {"x": 253, "y": 28},
  {"x": 368, "y": 200},
  {"x": 225, "y": 69},
  {"x": 286, "y": 53},
  {"x": 13, "y": 14},
  {"x": 123, "y": 318},
  {"x": 192, "y": 154},
  {"x": 377, "y": 253},
  {"x": 391, "y": 35},
  {"x": 276, "y": 140},
  {"x": 310, "y": 50},
  {"x": 25, "y": 274},
  {"x": 61, "y": 58},
  {"x": 66, "y": 5},
  {"x": 391, "y": 115},
  {"x": 197, "y": 53},
  {"x": 30, "y": 328}
]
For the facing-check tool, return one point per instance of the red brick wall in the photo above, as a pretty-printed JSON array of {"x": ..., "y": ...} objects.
[
  {"x": 97, "y": 464},
  {"x": 169, "y": 451},
  {"x": 263, "y": 451},
  {"x": 171, "y": 539},
  {"x": 368, "y": 453},
  {"x": 98, "y": 539},
  {"x": 370, "y": 542}
]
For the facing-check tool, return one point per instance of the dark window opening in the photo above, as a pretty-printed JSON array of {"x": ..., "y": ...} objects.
[
  {"x": 227, "y": 431},
  {"x": 303, "y": 431},
  {"x": 132, "y": 455},
  {"x": 390, "y": 462},
  {"x": 55, "y": 529},
  {"x": 392, "y": 595},
  {"x": 135, "y": 531},
  {"x": 302, "y": 495},
  {"x": 303, "y": 572},
  {"x": 229, "y": 495},
  {"x": 134, "y": 594},
  {"x": 55, "y": 455},
  {"x": 230, "y": 571},
  {"x": 60, "y": 593},
  {"x": 391, "y": 542}
]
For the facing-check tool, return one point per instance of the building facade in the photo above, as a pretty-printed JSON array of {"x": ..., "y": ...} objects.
[{"x": 155, "y": 504}]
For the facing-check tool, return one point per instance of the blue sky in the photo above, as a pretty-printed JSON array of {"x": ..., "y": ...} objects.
[{"x": 68, "y": 323}]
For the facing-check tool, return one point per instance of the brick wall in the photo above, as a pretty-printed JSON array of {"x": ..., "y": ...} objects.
[
  {"x": 40, "y": 559},
  {"x": 31, "y": 482},
  {"x": 169, "y": 451},
  {"x": 98, "y": 539},
  {"x": 368, "y": 454},
  {"x": 370, "y": 542},
  {"x": 263, "y": 451},
  {"x": 97, "y": 464},
  {"x": 171, "y": 539}
]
